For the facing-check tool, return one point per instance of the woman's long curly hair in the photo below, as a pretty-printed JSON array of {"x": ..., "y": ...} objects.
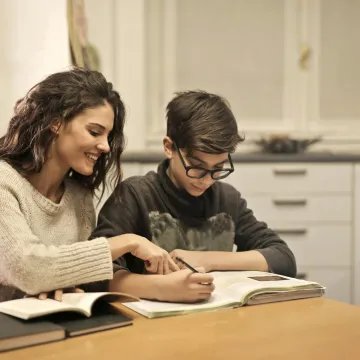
[{"x": 62, "y": 96}]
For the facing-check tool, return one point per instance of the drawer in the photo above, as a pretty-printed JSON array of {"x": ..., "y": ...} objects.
[
  {"x": 318, "y": 245},
  {"x": 275, "y": 209},
  {"x": 336, "y": 281},
  {"x": 291, "y": 178}
]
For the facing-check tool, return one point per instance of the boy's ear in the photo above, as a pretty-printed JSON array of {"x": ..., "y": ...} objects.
[{"x": 168, "y": 147}]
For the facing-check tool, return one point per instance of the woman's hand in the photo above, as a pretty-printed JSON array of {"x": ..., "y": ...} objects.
[
  {"x": 157, "y": 260},
  {"x": 57, "y": 294}
]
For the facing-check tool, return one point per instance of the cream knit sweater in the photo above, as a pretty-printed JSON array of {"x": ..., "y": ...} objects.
[{"x": 43, "y": 245}]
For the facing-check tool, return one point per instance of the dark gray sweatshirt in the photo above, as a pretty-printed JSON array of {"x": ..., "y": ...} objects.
[{"x": 151, "y": 206}]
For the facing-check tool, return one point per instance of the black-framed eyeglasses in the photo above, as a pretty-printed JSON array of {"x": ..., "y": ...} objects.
[{"x": 197, "y": 172}]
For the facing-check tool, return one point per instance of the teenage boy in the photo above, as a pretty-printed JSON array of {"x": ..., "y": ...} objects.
[{"x": 185, "y": 209}]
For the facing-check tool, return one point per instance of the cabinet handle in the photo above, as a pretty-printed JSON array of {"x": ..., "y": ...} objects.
[
  {"x": 290, "y": 202},
  {"x": 287, "y": 172},
  {"x": 291, "y": 231},
  {"x": 304, "y": 56}
]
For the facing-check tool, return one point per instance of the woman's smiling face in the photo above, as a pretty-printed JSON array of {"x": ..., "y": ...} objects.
[{"x": 82, "y": 141}]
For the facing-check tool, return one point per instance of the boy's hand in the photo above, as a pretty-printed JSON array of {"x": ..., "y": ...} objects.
[
  {"x": 193, "y": 258},
  {"x": 185, "y": 286}
]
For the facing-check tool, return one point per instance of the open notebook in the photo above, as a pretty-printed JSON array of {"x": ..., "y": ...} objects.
[
  {"x": 235, "y": 289},
  {"x": 29, "y": 308}
]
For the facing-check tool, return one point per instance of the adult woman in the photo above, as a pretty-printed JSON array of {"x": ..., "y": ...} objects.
[{"x": 64, "y": 138}]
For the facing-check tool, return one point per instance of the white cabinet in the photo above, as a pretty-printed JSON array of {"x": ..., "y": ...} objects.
[
  {"x": 318, "y": 245},
  {"x": 244, "y": 55},
  {"x": 302, "y": 208},
  {"x": 336, "y": 280},
  {"x": 315, "y": 208},
  {"x": 296, "y": 178},
  {"x": 284, "y": 65},
  {"x": 334, "y": 75},
  {"x": 243, "y": 50},
  {"x": 311, "y": 207},
  {"x": 356, "y": 248}
]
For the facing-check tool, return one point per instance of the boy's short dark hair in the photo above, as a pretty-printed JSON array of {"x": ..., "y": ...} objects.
[{"x": 198, "y": 120}]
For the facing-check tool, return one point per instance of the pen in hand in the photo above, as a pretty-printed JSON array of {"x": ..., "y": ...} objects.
[
  {"x": 189, "y": 267},
  {"x": 186, "y": 264}
]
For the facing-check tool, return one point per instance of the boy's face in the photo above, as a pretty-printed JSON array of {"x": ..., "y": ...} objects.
[{"x": 177, "y": 171}]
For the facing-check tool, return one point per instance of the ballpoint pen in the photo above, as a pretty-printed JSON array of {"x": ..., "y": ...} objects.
[{"x": 186, "y": 264}]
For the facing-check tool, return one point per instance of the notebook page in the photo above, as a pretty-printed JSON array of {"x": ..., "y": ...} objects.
[
  {"x": 243, "y": 282},
  {"x": 32, "y": 307},
  {"x": 83, "y": 301},
  {"x": 147, "y": 307}
]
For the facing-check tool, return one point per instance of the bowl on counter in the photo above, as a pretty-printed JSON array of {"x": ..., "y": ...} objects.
[{"x": 286, "y": 144}]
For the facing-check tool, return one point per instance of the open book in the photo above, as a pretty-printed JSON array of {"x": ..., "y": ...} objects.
[
  {"x": 29, "y": 308},
  {"x": 31, "y": 321},
  {"x": 235, "y": 289}
]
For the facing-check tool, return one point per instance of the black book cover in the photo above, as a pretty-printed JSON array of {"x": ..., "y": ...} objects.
[
  {"x": 16, "y": 333},
  {"x": 104, "y": 317}
]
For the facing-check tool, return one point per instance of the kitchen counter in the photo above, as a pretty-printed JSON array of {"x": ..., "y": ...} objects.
[{"x": 308, "y": 157}]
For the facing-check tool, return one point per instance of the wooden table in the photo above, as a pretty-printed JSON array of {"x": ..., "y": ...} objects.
[{"x": 304, "y": 329}]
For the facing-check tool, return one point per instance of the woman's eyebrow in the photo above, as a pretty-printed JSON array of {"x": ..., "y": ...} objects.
[{"x": 98, "y": 125}]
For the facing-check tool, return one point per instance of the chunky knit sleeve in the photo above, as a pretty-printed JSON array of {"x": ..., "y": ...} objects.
[{"x": 33, "y": 265}]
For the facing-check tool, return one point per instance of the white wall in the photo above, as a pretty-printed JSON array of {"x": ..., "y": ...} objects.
[
  {"x": 34, "y": 43},
  {"x": 101, "y": 17},
  {"x": 116, "y": 29}
]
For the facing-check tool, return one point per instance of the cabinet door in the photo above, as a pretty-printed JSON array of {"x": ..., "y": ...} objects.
[
  {"x": 334, "y": 72},
  {"x": 336, "y": 280},
  {"x": 300, "y": 209},
  {"x": 320, "y": 245},
  {"x": 356, "y": 257},
  {"x": 296, "y": 178},
  {"x": 243, "y": 50}
]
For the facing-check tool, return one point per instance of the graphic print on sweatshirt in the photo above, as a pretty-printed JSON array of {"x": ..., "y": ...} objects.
[{"x": 217, "y": 233}]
